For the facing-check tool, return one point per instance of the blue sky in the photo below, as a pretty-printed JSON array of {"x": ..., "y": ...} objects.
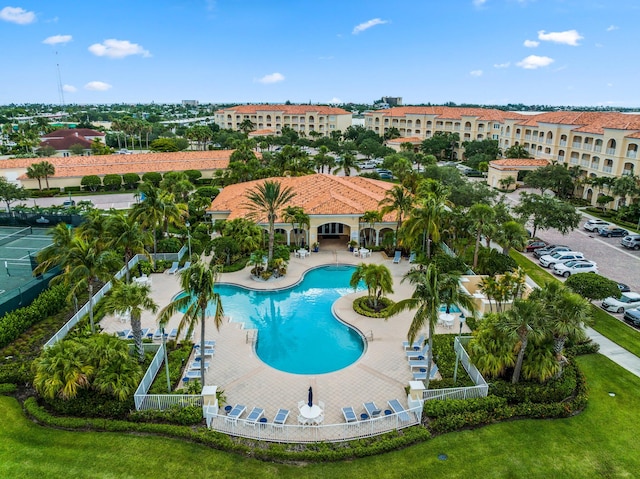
[{"x": 557, "y": 52}]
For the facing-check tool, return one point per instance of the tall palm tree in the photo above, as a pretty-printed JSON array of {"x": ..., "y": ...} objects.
[
  {"x": 425, "y": 221},
  {"x": 346, "y": 163},
  {"x": 378, "y": 279},
  {"x": 432, "y": 288},
  {"x": 132, "y": 298},
  {"x": 116, "y": 372},
  {"x": 35, "y": 172},
  {"x": 296, "y": 216},
  {"x": 481, "y": 215},
  {"x": 398, "y": 200},
  {"x": 47, "y": 170},
  {"x": 371, "y": 217},
  {"x": 267, "y": 200},
  {"x": 198, "y": 282},
  {"x": 127, "y": 235},
  {"x": 512, "y": 235},
  {"x": 520, "y": 323}
]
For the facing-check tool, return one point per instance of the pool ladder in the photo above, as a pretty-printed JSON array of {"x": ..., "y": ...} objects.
[
  {"x": 251, "y": 336},
  {"x": 369, "y": 335}
]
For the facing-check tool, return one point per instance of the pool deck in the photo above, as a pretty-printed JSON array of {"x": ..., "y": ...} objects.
[{"x": 379, "y": 375}]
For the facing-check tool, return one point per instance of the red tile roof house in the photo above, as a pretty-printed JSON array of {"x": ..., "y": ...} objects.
[
  {"x": 501, "y": 169},
  {"x": 69, "y": 171},
  {"x": 63, "y": 139},
  {"x": 334, "y": 204}
]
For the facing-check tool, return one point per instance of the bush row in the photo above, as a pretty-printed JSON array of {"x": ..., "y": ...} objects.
[
  {"x": 553, "y": 391},
  {"x": 272, "y": 452},
  {"x": 48, "y": 303},
  {"x": 7, "y": 388},
  {"x": 176, "y": 414},
  {"x": 361, "y": 306}
]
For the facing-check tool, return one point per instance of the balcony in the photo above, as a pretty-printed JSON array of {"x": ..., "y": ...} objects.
[
  {"x": 517, "y": 135},
  {"x": 527, "y": 137},
  {"x": 587, "y": 146},
  {"x": 607, "y": 169},
  {"x": 611, "y": 151},
  {"x": 563, "y": 142},
  {"x": 456, "y": 128},
  {"x": 597, "y": 148},
  {"x": 576, "y": 144},
  {"x": 561, "y": 158},
  {"x": 627, "y": 172},
  {"x": 467, "y": 128},
  {"x": 573, "y": 161},
  {"x": 595, "y": 166},
  {"x": 549, "y": 142},
  {"x": 632, "y": 154},
  {"x": 584, "y": 163}
]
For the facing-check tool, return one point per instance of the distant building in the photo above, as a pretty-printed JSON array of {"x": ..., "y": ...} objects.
[
  {"x": 303, "y": 119},
  {"x": 62, "y": 140},
  {"x": 392, "y": 100},
  {"x": 190, "y": 102}
]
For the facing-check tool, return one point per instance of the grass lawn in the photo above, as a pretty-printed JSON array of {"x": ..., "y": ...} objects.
[
  {"x": 607, "y": 325},
  {"x": 597, "y": 443}
]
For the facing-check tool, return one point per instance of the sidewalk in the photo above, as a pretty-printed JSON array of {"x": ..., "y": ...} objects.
[{"x": 618, "y": 355}]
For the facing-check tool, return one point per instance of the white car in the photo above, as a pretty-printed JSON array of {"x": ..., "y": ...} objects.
[
  {"x": 623, "y": 303},
  {"x": 573, "y": 267},
  {"x": 549, "y": 261},
  {"x": 595, "y": 224},
  {"x": 367, "y": 165}
]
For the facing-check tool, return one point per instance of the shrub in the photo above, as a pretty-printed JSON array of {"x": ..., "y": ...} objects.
[
  {"x": 178, "y": 357},
  {"x": 592, "y": 286},
  {"x": 193, "y": 175},
  {"x": 131, "y": 180},
  {"x": 91, "y": 182},
  {"x": 152, "y": 177},
  {"x": 112, "y": 182},
  {"x": 237, "y": 265},
  {"x": 7, "y": 388},
  {"x": 361, "y": 306},
  {"x": 184, "y": 416},
  {"x": 169, "y": 245},
  {"x": 209, "y": 192}
]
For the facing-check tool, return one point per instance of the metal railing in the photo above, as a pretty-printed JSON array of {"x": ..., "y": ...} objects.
[
  {"x": 160, "y": 401},
  {"x": 297, "y": 433},
  {"x": 481, "y": 387}
]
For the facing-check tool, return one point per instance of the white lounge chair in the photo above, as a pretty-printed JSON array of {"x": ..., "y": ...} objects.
[
  {"x": 372, "y": 409},
  {"x": 157, "y": 335},
  {"x": 195, "y": 365},
  {"x": 173, "y": 334},
  {"x": 420, "y": 352},
  {"x": 124, "y": 334},
  {"x": 396, "y": 407},
  {"x": 254, "y": 416},
  {"x": 281, "y": 417},
  {"x": 186, "y": 265},
  {"x": 397, "y": 257},
  {"x": 418, "y": 363},
  {"x": 349, "y": 414},
  {"x": 412, "y": 257},
  {"x": 236, "y": 412},
  {"x": 416, "y": 343},
  {"x": 174, "y": 267},
  {"x": 208, "y": 344}
]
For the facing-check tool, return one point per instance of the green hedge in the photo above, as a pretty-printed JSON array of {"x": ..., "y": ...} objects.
[
  {"x": 7, "y": 388},
  {"x": 361, "y": 306},
  {"x": 318, "y": 452},
  {"x": 238, "y": 265},
  {"x": 49, "y": 302},
  {"x": 177, "y": 358},
  {"x": 184, "y": 416}
]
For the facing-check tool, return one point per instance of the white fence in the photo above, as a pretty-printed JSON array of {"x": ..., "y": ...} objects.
[
  {"x": 480, "y": 389},
  {"x": 294, "y": 433},
  {"x": 160, "y": 401}
]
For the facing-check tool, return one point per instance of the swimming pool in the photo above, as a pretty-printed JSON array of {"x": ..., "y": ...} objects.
[{"x": 297, "y": 332}]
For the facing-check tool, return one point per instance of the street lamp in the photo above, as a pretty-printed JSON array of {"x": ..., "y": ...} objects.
[
  {"x": 188, "y": 225},
  {"x": 455, "y": 371}
]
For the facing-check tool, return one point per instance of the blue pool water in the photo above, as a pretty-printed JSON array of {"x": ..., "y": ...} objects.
[
  {"x": 452, "y": 309},
  {"x": 297, "y": 332}
]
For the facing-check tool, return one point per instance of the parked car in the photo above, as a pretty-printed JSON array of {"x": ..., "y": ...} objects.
[
  {"x": 595, "y": 224},
  {"x": 378, "y": 161},
  {"x": 124, "y": 151},
  {"x": 550, "y": 249},
  {"x": 573, "y": 267},
  {"x": 631, "y": 242},
  {"x": 68, "y": 203},
  {"x": 367, "y": 165},
  {"x": 625, "y": 302},
  {"x": 624, "y": 288},
  {"x": 632, "y": 316},
  {"x": 472, "y": 172},
  {"x": 383, "y": 170},
  {"x": 534, "y": 245},
  {"x": 549, "y": 261},
  {"x": 610, "y": 231},
  {"x": 385, "y": 176}
]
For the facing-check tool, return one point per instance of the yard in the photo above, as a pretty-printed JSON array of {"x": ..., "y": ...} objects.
[{"x": 596, "y": 443}]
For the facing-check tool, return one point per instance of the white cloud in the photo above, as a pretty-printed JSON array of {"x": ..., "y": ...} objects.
[
  {"x": 475, "y": 73},
  {"x": 368, "y": 24},
  {"x": 113, "y": 48},
  {"x": 17, "y": 15},
  {"x": 534, "y": 61},
  {"x": 271, "y": 78},
  {"x": 569, "y": 37},
  {"x": 502, "y": 65},
  {"x": 97, "y": 86},
  {"x": 609, "y": 85},
  {"x": 611, "y": 28},
  {"x": 56, "y": 39},
  {"x": 335, "y": 101},
  {"x": 69, "y": 88},
  {"x": 478, "y": 3},
  {"x": 531, "y": 43}
]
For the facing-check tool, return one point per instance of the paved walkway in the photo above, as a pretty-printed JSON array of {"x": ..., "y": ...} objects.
[
  {"x": 617, "y": 354},
  {"x": 379, "y": 375}
]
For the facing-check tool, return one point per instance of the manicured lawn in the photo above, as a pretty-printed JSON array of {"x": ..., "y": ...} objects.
[
  {"x": 607, "y": 325},
  {"x": 597, "y": 443}
]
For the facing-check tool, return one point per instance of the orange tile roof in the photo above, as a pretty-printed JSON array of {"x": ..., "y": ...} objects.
[
  {"x": 449, "y": 113},
  {"x": 318, "y": 194},
  {"x": 406, "y": 139},
  {"x": 285, "y": 109},
  {"x": 263, "y": 132},
  {"x": 509, "y": 163},
  {"x": 587, "y": 121},
  {"x": 77, "y": 166}
]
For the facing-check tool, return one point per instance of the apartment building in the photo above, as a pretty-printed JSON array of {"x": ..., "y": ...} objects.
[
  {"x": 301, "y": 118},
  {"x": 597, "y": 143}
]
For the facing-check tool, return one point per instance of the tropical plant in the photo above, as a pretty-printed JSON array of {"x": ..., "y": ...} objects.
[
  {"x": 377, "y": 278},
  {"x": 198, "y": 285},
  {"x": 265, "y": 202},
  {"x": 399, "y": 200},
  {"x": 131, "y": 298},
  {"x": 127, "y": 235},
  {"x": 481, "y": 216},
  {"x": 298, "y": 219}
]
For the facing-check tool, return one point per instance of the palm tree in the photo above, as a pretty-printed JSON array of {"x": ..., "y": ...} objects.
[
  {"x": 132, "y": 298},
  {"x": 346, "y": 163},
  {"x": 431, "y": 289},
  {"x": 267, "y": 199},
  {"x": 117, "y": 373},
  {"x": 127, "y": 235},
  {"x": 198, "y": 282},
  {"x": 247, "y": 126},
  {"x": 512, "y": 235},
  {"x": 397, "y": 199},
  {"x": 35, "y": 172},
  {"x": 295, "y": 215},
  {"x": 489, "y": 349},
  {"x": 378, "y": 279},
  {"x": 520, "y": 323},
  {"x": 425, "y": 221},
  {"x": 47, "y": 170},
  {"x": 481, "y": 215},
  {"x": 371, "y": 217}
]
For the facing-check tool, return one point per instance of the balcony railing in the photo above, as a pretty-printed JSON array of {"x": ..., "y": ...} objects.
[
  {"x": 632, "y": 154},
  {"x": 467, "y": 128},
  {"x": 576, "y": 144},
  {"x": 563, "y": 142},
  {"x": 611, "y": 151},
  {"x": 587, "y": 146},
  {"x": 527, "y": 137},
  {"x": 561, "y": 158},
  {"x": 607, "y": 169},
  {"x": 573, "y": 161},
  {"x": 584, "y": 163},
  {"x": 549, "y": 142},
  {"x": 627, "y": 172},
  {"x": 597, "y": 148},
  {"x": 517, "y": 135}
]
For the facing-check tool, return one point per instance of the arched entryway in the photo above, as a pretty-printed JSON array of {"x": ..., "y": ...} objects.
[{"x": 333, "y": 235}]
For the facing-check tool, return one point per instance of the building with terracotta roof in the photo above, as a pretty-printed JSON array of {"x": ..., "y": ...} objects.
[
  {"x": 334, "y": 204},
  {"x": 62, "y": 140},
  {"x": 596, "y": 143},
  {"x": 301, "y": 118},
  {"x": 511, "y": 167},
  {"x": 69, "y": 171}
]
